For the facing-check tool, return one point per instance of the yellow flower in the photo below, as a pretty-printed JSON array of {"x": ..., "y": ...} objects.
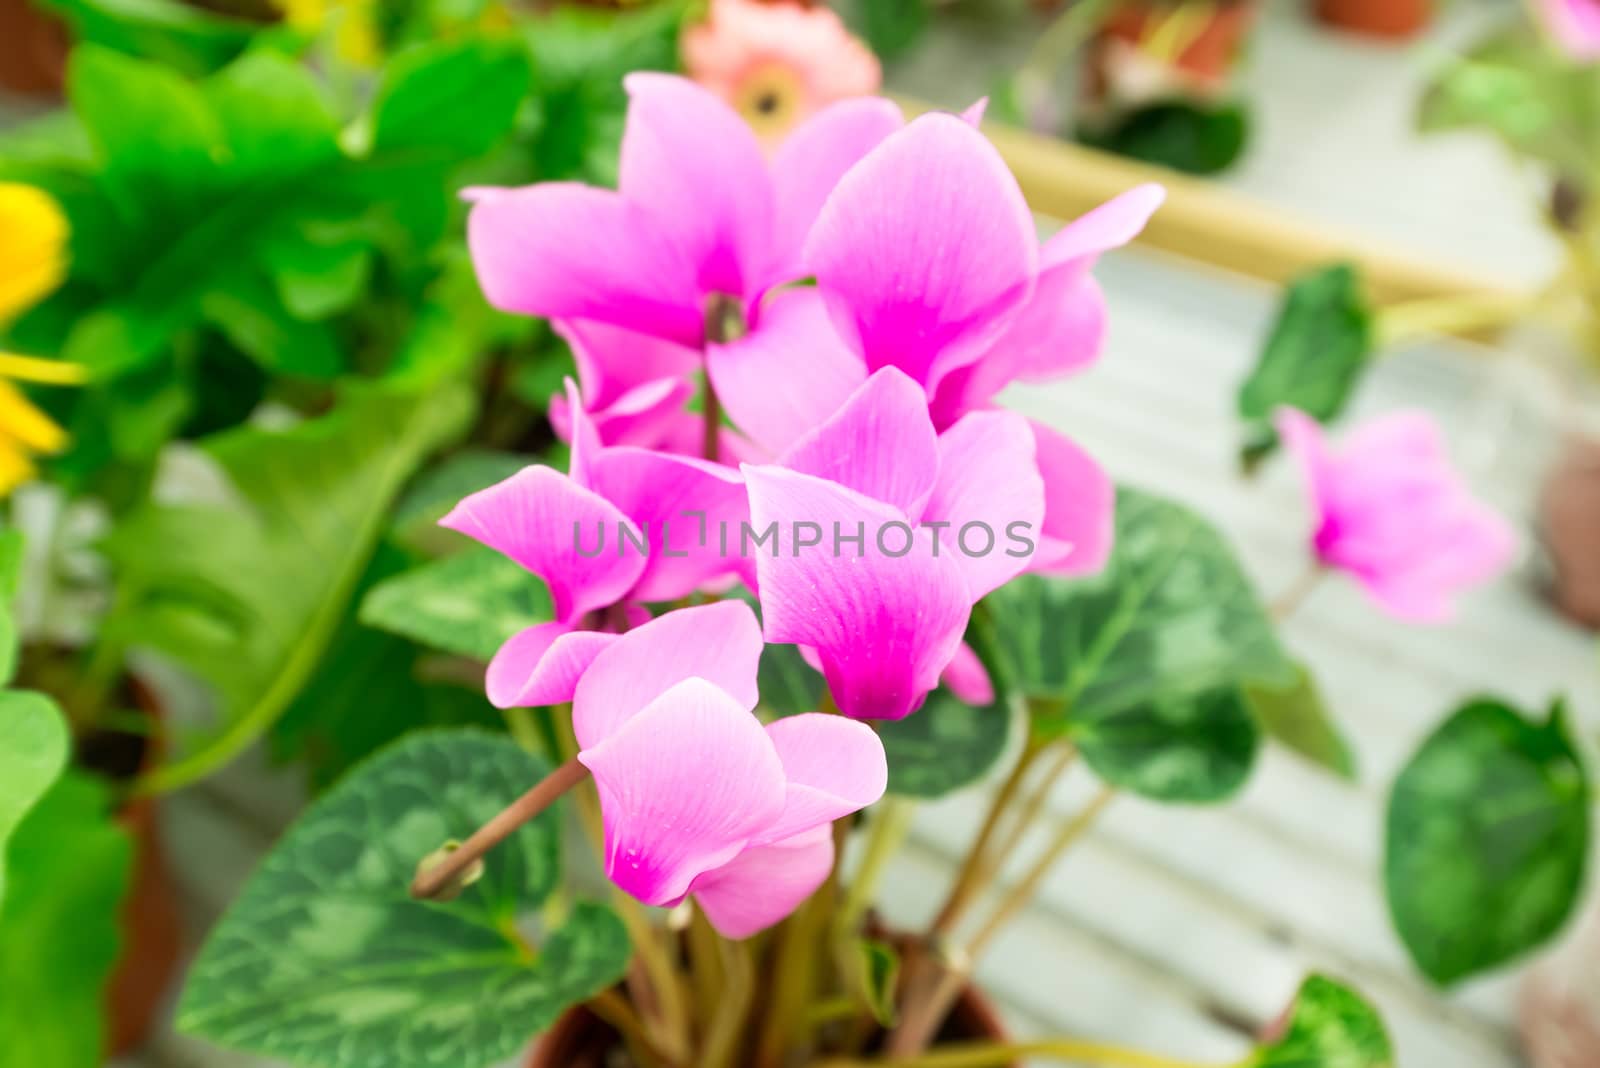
[
  {"x": 356, "y": 38},
  {"x": 25, "y": 431},
  {"x": 33, "y": 247},
  {"x": 33, "y": 262}
]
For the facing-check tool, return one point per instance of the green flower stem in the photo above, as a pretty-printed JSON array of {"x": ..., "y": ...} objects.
[
  {"x": 733, "y": 1007},
  {"x": 1001, "y": 1055},
  {"x": 889, "y": 829},
  {"x": 1030, "y": 811},
  {"x": 1467, "y": 314},
  {"x": 967, "y": 877}
]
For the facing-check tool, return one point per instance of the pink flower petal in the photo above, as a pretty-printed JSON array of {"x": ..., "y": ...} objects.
[
  {"x": 564, "y": 251},
  {"x": 990, "y": 492},
  {"x": 926, "y": 246},
  {"x": 1080, "y": 503},
  {"x": 718, "y": 642},
  {"x": 1109, "y": 226},
  {"x": 788, "y": 374},
  {"x": 541, "y": 665},
  {"x": 646, "y": 415},
  {"x": 764, "y": 884},
  {"x": 812, "y": 159},
  {"x": 612, "y": 360},
  {"x": 879, "y": 443},
  {"x": 974, "y": 112},
  {"x": 883, "y": 626},
  {"x": 684, "y": 784},
  {"x": 968, "y": 679},
  {"x": 684, "y": 507},
  {"x": 551, "y": 525},
  {"x": 697, "y": 170},
  {"x": 834, "y": 766}
]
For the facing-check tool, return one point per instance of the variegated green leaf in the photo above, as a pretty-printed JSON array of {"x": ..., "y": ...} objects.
[
  {"x": 326, "y": 961},
  {"x": 1330, "y": 1026},
  {"x": 466, "y": 604}
]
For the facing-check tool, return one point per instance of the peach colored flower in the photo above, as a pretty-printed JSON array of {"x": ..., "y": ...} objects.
[{"x": 777, "y": 64}]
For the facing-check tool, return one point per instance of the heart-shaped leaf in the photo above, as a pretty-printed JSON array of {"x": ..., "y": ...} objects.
[
  {"x": 1297, "y": 717},
  {"x": 467, "y": 604},
  {"x": 33, "y": 751},
  {"x": 1144, "y": 665},
  {"x": 1330, "y": 1026},
  {"x": 1488, "y": 839},
  {"x": 326, "y": 961}
]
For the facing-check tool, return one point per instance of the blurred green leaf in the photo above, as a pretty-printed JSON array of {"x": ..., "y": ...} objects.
[
  {"x": 249, "y": 596},
  {"x": 1318, "y": 349},
  {"x": 68, "y": 867},
  {"x": 1487, "y": 839},
  {"x": 441, "y": 487},
  {"x": 326, "y": 960},
  {"x": 879, "y": 977},
  {"x": 33, "y": 752},
  {"x": 1143, "y": 666},
  {"x": 890, "y": 27},
  {"x": 183, "y": 36},
  {"x": 944, "y": 745},
  {"x": 1188, "y": 137},
  {"x": 1297, "y": 717},
  {"x": 1515, "y": 86},
  {"x": 11, "y": 553},
  {"x": 467, "y": 604},
  {"x": 1330, "y": 1026},
  {"x": 448, "y": 99}
]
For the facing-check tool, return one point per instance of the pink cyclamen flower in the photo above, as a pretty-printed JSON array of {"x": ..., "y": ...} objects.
[
  {"x": 698, "y": 798},
  {"x": 886, "y": 534},
  {"x": 1393, "y": 514},
  {"x": 582, "y": 534},
  {"x": 778, "y": 64},
  {"x": 926, "y": 260},
  {"x": 699, "y": 217},
  {"x": 1574, "y": 25}
]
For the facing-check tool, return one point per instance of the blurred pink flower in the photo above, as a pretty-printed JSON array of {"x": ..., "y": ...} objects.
[
  {"x": 1393, "y": 514},
  {"x": 883, "y": 613},
  {"x": 697, "y": 797},
  {"x": 1574, "y": 25},
  {"x": 777, "y": 64}
]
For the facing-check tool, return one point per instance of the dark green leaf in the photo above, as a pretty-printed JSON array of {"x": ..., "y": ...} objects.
[
  {"x": 891, "y": 27},
  {"x": 248, "y": 597},
  {"x": 1192, "y": 138},
  {"x": 326, "y": 961},
  {"x": 788, "y": 685},
  {"x": 944, "y": 745},
  {"x": 33, "y": 751},
  {"x": 467, "y": 604},
  {"x": 1142, "y": 666},
  {"x": 1315, "y": 355},
  {"x": 68, "y": 867},
  {"x": 1331, "y": 1026},
  {"x": 1297, "y": 717},
  {"x": 879, "y": 978},
  {"x": 1487, "y": 840}
]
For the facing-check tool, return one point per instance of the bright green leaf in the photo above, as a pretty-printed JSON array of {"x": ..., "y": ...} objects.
[
  {"x": 453, "y": 97},
  {"x": 1297, "y": 717},
  {"x": 33, "y": 751},
  {"x": 248, "y": 597},
  {"x": 1313, "y": 359},
  {"x": 184, "y": 36},
  {"x": 441, "y": 488},
  {"x": 326, "y": 961},
  {"x": 467, "y": 604},
  {"x": 11, "y": 550},
  {"x": 1487, "y": 840},
  {"x": 1330, "y": 1026},
  {"x": 1142, "y": 665},
  {"x": 68, "y": 867}
]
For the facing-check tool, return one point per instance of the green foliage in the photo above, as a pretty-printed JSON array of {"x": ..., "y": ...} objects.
[
  {"x": 248, "y": 596},
  {"x": 1144, "y": 665},
  {"x": 467, "y": 604},
  {"x": 878, "y": 977},
  {"x": 789, "y": 685},
  {"x": 68, "y": 867},
  {"x": 1331, "y": 1026},
  {"x": 1539, "y": 104},
  {"x": 237, "y": 219},
  {"x": 1188, "y": 137},
  {"x": 185, "y": 37},
  {"x": 441, "y": 487},
  {"x": 326, "y": 961},
  {"x": 890, "y": 27},
  {"x": 1298, "y": 717},
  {"x": 1487, "y": 839},
  {"x": 945, "y": 745},
  {"x": 33, "y": 752},
  {"x": 1313, "y": 359},
  {"x": 11, "y": 549}
]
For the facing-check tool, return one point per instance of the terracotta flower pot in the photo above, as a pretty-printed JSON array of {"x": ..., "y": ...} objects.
[
  {"x": 1210, "y": 55},
  {"x": 33, "y": 49},
  {"x": 1569, "y": 525},
  {"x": 151, "y": 931},
  {"x": 1377, "y": 18},
  {"x": 581, "y": 1040}
]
